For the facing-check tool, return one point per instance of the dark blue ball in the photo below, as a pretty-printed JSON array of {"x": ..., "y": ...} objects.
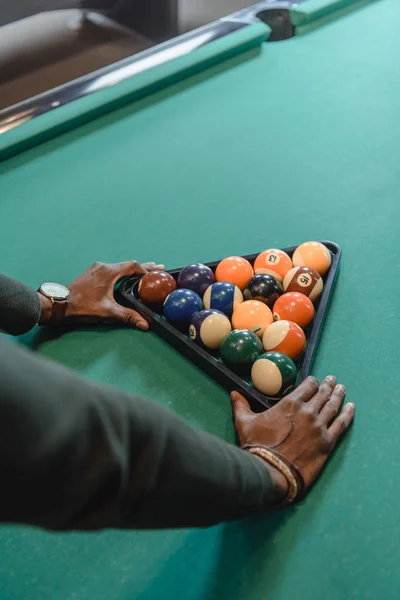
[
  {"x": 181, "y": 305},
  {"x": 196, "y": 277}
]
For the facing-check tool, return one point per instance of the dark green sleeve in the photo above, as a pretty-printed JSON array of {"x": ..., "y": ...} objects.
[
  {"x": 19, "y": 306},
  {"x": 76, "y": 455}
]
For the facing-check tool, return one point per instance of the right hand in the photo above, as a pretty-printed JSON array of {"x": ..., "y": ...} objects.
[{"x": 304, "y": 427}]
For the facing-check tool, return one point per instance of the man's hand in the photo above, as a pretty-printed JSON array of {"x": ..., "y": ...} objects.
[
  {"x": 304, "y": 426},
  {"x": 92, "y": 295}
]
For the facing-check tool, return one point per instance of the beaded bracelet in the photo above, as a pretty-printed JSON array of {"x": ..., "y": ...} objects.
[{"x": 288, "y": 470}]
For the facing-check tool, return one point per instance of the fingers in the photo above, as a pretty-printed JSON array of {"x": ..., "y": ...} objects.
[
  {"x": 332, "y": 406},
  {"x": 240, "y": 406},
  {"x": 304, "y": 392},
  {"x": 152, "y": 266},
  {"x": 130, "y": 317},
  {"x": 132, "y": 267},
  {"x": 341, "y": 424},
  {"x": 323, "y": 394}
]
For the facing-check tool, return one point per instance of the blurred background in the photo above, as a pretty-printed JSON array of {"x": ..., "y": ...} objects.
[
  {"x": 47, "y": 43},
  {"x": 191, "y": 13}
]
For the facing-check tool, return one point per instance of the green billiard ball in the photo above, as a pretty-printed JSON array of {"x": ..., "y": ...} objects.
[
  {"x": 274, "y": 374},
  {"x": 240, "y": 349}
]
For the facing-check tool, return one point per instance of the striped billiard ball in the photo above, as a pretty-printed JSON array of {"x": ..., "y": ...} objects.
[
  {"x": 209, "y": 328},
  {"x": 223, "y": 296},
  {"x": 285, "y": 337},
  {"x": 274, "y": 374},
  {"x": 305, "y": 280},
  {"x": 273, "y": 262}
]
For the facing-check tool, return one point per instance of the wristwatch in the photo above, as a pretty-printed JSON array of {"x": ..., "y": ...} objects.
[{"x": 58, "y": 294}]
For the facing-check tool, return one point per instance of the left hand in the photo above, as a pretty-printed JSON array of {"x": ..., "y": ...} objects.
[{"x": 92, "y": 295}]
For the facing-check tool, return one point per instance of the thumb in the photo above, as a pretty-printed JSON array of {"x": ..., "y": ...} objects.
[
  {"x": 130, "y": 317},
  {"x": 240, "y": 406}
]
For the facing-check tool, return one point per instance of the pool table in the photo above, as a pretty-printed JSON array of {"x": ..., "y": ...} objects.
[{"x": 277, "y": 144}]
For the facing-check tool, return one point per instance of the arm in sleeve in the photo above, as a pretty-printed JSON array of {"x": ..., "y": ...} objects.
[
  {"x": 19, "y": 306},
  {"x": 77, "y": 455}
]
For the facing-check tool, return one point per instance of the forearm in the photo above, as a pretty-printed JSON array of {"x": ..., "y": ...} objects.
[
  {"x": 20, "y": 307},
  {"x": 74, "y": 455}
]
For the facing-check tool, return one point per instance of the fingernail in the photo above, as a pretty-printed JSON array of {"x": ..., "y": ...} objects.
[
  {"x": 341, "y": 389},
  {"x": 143, "y": 325},
  {"x": 351, "y": 406},
  {"x": 330, "y": 379}
]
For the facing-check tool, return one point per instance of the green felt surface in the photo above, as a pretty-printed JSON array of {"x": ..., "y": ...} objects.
[{"x": 300, "y": 141}]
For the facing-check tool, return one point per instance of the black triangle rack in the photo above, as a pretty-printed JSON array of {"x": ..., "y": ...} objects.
[{"x": 127, "y": 294}]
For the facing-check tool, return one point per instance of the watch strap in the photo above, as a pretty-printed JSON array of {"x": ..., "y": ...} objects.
[{"x": 59, "y": 310}]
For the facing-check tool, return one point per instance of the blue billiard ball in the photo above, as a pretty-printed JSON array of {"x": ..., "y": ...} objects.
[
  {"x": 181, "y": 305},
  {"x": 223, "y": 296},
  {"x": 209, "y": 328},
  {"x": 196, "y": 277}
]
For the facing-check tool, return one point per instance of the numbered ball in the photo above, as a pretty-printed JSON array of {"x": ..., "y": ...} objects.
[
  {"x": 209, "y": 328},
  {"x": 295, "y": 307},
  {"x": 196, "y": 277},
  {"x": 223, "y": 296},
  {"x": 304, "y": 280},
  {"x": 155, "y": 286},
  {"x": 240, "y": 349},
  {"x": 314, "y": 255},
  {"x": 285, "y": 337},
  {"x": 273, "y": 262},
  {"x": 263, "y": 288},
  {"x": 274, "y": 374},
  {"x": 252, "y": 315},
  {"x": 181, "y": 306},
  {"x": 236, "y": 270}
]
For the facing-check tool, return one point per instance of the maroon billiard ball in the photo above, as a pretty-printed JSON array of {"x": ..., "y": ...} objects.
[{"x": 155, "y": 286}]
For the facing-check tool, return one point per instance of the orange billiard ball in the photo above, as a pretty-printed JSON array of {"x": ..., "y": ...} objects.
[
  {"x": 273, "y": 262},
  {"x": 285, "y": 337},
  {"x": 295, "y": 307},
  {"x": 314, "y": 255},
  {"x": 236, "y": 270},
  {"x": 252, "y": 315}
]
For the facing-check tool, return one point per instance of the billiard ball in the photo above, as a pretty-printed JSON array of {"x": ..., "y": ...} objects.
[
  {"x": 196, "y": 277},
  {"x": 314, "y": 255},
  {"x": 273, "y": 374},
  {"x": 304, "y": 280},
  {"x": 285, "y": 337},
  {"x": 273, "y": 262},
  {"x": 155, "y": 286},
  {"x": 263, "y": 288},
  {"x": 236, "y": 270},
  {"x": 209, "y": 328},
  {"x": 181, "y": 306},
  {"x": 223, "y": 296},
  {"x": 240, "y": 349},
  {"x": 295, "y": 307},
  {"x": 252, "y": 315}
]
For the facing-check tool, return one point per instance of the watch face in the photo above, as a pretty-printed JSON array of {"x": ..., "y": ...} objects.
[{"x": 55, "y": 290}]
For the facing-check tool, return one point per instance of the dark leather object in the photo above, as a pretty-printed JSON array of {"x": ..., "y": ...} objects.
[{"x": 51, "y": 48}]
